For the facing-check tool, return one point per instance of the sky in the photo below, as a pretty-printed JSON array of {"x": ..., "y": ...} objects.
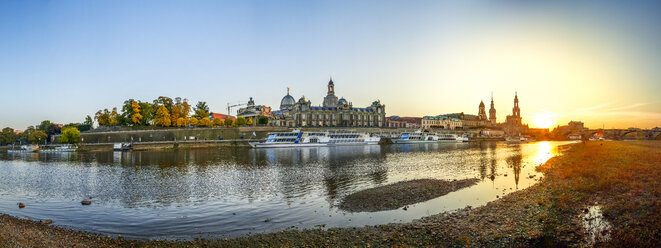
[{"x": 593, "y": 61}]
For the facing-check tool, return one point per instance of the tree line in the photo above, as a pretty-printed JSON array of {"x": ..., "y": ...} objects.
[
  {"x": 42, "y": 133},
  {"x": 166, "y": 112}
]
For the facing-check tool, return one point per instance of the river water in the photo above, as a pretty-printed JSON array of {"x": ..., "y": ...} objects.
[{"x": 185, "y": 194}]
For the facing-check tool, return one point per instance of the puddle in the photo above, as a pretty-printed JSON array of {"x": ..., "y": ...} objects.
[{"x": 596, "y": 227}]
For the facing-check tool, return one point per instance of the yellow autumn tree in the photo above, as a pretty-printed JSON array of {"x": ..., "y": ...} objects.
[
  {"x": 162, "y": 117},
  {"x": 185, "y": 112},
  {"x": 181, "y": 122},
  {"x": 217, "y": 122},
  {"x": 136, "y": 118},
  {"x": 114, "y": 117},
  {"x": 193, "y": 121},
  {"x": 204, "y": 122},
  {"x": 228, "y": 122},
  {"x": 249, "y": 122},
  {"x": 175, "y": 114}
]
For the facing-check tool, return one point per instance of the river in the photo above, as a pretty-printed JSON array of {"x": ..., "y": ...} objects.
[{"x": 216, "y": 193}]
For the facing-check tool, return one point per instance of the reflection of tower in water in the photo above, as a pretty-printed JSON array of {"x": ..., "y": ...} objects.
[
  {"x": 514, "y": 162},
  {"x": 492, "y": 147},
  {"x": 483, "y": 161}
]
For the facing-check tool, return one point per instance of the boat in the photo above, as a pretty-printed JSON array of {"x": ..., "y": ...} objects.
[
  {"x": 63, "y": 148},
  {"x": 25, "y": 149},
  {"x": 297, "y": 138},
  {"x": 516, "y": 139},
  {"x": 425, "y": 137},
  {"x": 122, "y": 146}
]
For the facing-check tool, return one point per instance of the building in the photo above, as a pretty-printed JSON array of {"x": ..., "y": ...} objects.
[
  {"x": 513, "y": 125},
  {"x": 333, "y": 112},
  {"x": 252, "y": 111},
  {"x": 403, "y": 122},
  {"x": 441, "y": 121}
]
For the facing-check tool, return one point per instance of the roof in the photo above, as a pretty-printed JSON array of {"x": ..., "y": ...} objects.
[{"x": 221, "y": 116}]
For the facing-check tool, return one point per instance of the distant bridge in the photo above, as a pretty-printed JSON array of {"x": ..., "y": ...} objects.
[{"x": 620, "y": 134}]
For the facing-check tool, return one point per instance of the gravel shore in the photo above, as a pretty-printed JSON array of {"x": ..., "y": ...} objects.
[
  {"x": 624, "y": 178},
  {"x": 401, "y": 194}
]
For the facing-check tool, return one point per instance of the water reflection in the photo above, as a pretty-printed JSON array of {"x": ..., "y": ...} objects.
[{"x": 180, "y": 193}]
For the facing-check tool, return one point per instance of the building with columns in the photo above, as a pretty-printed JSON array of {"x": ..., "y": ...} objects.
[{"x": 333, "y": 112}]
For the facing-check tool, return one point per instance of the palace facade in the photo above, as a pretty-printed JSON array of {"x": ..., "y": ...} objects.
[{"x": 333, "y": 112}]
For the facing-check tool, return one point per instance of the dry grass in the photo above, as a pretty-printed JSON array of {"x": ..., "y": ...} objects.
[{"x": 623, "y": 177}]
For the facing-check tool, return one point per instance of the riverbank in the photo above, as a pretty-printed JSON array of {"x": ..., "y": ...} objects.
[
  {"x": 401, "y": 194},
  {"x": 621, "y": 178}
]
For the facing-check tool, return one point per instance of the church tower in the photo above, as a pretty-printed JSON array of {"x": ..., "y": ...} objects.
[
  {"x": 516, "y": 111},
  {"x": 330, "y": 100},
  {"x": 492, "y": 112},
  {"x": 482, "y": 114}
]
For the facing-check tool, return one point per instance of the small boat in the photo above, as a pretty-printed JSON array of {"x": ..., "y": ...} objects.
[
  {"x": 297, "y": 138},
  {"x": 122, "y": 146},
  {"x": 25, "y": 149}
]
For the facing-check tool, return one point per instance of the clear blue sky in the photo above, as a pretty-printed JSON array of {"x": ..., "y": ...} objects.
[{"x": 583, "y": 60}]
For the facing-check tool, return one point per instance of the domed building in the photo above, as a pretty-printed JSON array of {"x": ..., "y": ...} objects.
[{"x": 333, "y": 112}]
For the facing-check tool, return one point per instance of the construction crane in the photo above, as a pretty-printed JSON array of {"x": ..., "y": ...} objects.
[{"x": 236, "y": 104}]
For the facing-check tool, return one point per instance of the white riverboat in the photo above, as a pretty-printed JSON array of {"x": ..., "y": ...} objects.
[
  {"x": 425, "y": 137},
  {"x": 62, "y": 148},
  {"x": 297, "y": 138},
  {"x": 25, "y": 149}
]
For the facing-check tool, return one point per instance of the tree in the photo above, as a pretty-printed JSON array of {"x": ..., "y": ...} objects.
[
  {"x": 88, "y": 121},
  {"x": 249, "y": 122},
  {"x": 136, "y": 118},
  {"x": 162, "y": 117},
  {"x": 176, "y": 113},
  {"x": 240, "y": 121},
  {"x": 185, "y": 112},
  {"x": 201, "y": 110},
  {"x": 8, "y": 136},
  {"x": 147, "y": 110},
  {"x": 263, "y": 120},
  {"x": 164, "y": 101},
  {"x": 193, "y": 121},
  {"x": 103, "y": 118},
  {"x": 217, "y": 122},
  {"x": 181, "y": 122},
  {"x": 114, "y": 118},
  {"x": 70, "y": 135},
  {"x": 228, "y": 122},
  {"x": 204, "y": 122},
  {"x": 37, "y": 136}
]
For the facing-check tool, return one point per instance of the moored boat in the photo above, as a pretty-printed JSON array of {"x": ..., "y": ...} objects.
[
  {"x": 24, "y": 149},
  {"x": 62, "y": 148},
  {"x": 297, "y": 138},
  {"x": 425, "y": 137}
]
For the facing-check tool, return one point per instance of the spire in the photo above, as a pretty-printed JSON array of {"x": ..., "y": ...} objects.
[{"x": 287, "y": 90}]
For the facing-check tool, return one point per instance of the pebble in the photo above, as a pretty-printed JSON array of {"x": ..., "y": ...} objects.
[
  {"x": 86, "y": 202},
  {"x": 47, "y": 222},
  {"x": 21, "y": 205}
]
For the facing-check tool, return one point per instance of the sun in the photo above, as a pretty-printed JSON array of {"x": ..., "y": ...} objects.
[{"x": 543, "y": 120}]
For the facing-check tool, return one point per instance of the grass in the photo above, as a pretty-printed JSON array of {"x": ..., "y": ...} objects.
[{"x": 623, "y": 177}]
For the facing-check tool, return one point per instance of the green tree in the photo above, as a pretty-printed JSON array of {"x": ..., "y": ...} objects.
[
  {"x": 201, "y": 110},
  {"x": 8, "y": 136},
  {"x": 263, "y": 120},
  {"x": 228, "y": 122},
  {"x": 162, "y": 117},
  {"x": 148, "y": 111},
  {"x": 164, "y": 101},
  {"x": 37, "y": 136},
  {"x": 70, "y": 135},
  {"x": 88, "y": 121},
  {"x": 240, "y": 121}
]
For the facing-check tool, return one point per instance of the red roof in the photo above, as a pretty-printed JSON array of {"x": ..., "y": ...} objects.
[{"x": 221, "y": 116}]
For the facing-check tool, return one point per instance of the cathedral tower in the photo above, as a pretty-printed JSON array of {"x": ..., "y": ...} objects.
[
  {"x": 481, "y": 113},
  {"x": 516, "y": 111},
  {"x": 330, "y": 100},
  {"x": 492, "y": 112}
]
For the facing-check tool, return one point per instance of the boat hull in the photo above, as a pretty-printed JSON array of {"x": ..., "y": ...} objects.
[{"x": 290, "y": 145}]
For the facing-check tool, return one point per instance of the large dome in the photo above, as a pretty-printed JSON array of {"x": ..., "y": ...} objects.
[
  {"x": 287, "y": 101},
  {"x": 342, "y": 101}
]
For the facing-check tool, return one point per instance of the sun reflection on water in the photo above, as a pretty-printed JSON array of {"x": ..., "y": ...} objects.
[{"x": 544, "y": 153}]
